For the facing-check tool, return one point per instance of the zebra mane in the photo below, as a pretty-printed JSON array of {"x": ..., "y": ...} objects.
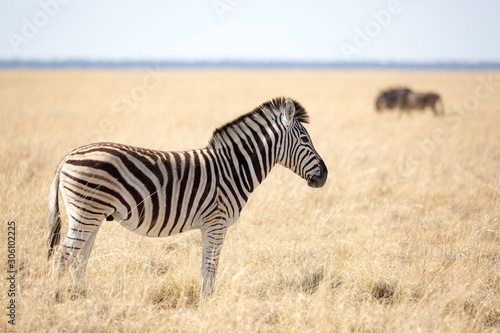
[{"x": 270, "y": 110}]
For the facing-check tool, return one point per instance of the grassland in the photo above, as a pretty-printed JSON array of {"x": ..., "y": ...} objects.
[{"x": 404, "y": 236}]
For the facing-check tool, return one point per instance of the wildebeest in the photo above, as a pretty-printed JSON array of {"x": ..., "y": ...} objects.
[{"x": 405, "y": 99}]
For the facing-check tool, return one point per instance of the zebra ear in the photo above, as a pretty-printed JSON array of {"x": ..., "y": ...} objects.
[{"x": 289, "y": 111}]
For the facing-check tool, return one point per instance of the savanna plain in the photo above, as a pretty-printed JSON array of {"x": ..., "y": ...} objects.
[{"x": 403, "y": 237}]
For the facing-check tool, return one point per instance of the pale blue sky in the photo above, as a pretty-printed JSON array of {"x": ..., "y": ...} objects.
[{"x": 369, "y": 30}]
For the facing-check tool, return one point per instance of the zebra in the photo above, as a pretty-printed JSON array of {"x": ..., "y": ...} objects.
[{"x": 158, "y": 194}]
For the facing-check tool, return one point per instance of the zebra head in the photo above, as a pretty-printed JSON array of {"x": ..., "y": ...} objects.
[{"x": 296, "y": 151}]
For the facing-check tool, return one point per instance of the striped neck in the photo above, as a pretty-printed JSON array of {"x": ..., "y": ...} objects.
[{"x": 250, "y": 144}]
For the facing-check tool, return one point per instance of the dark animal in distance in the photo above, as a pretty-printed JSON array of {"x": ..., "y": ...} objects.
[{"x": 405, "y": 99}]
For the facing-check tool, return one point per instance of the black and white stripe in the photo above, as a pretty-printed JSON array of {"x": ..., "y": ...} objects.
[{"x": 157, "y": 194}]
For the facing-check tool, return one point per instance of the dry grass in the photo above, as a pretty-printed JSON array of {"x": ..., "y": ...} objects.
[{"x": 403, "y": 237}]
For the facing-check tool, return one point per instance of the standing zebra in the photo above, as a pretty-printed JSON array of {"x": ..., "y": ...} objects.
[{"x": 158, "y": 194}]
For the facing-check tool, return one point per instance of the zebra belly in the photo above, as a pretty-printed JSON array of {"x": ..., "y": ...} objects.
[{"x": 158, "y": 228}]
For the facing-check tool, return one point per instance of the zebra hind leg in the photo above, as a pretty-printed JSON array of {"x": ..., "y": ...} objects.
[{"x": 76, "y": 248}]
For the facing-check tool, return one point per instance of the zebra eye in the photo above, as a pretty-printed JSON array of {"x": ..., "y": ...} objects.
[{"x": 304, "y": 139}]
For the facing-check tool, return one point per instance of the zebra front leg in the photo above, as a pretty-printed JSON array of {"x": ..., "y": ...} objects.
[{"x": 213, "y": 238}]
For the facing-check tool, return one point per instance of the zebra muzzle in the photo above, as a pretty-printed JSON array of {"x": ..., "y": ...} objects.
[{"x": 319, "y": 179}]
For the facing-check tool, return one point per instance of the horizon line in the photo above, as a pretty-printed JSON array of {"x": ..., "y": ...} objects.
[{"x": 245, "y": 64}]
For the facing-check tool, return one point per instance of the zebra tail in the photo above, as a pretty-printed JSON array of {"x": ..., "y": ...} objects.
[{"x": 55, "y": 216}]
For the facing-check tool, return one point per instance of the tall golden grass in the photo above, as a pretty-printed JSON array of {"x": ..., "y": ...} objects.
[{"x": 403, "y": 237}]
